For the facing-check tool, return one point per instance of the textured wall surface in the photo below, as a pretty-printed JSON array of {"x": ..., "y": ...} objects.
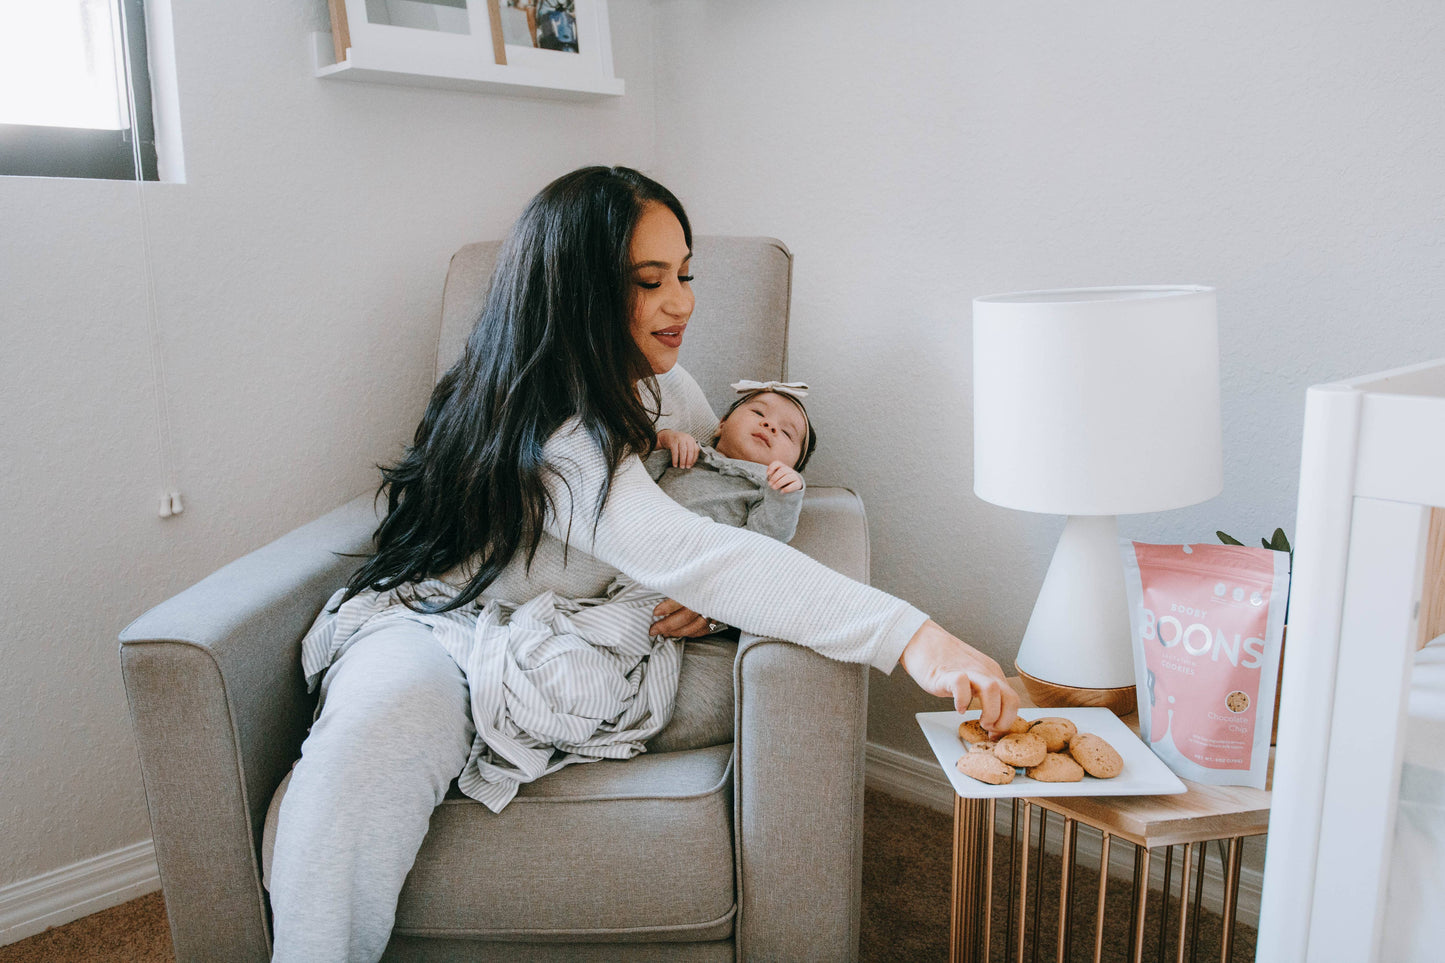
[
  {"x": 298, "y": 282},
  {"x": 914, "y": 157}
]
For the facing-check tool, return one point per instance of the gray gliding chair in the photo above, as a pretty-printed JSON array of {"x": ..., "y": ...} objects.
[{"x": 738, "y": 835}]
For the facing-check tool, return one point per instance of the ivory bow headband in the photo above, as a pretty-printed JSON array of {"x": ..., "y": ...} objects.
[{"x": 797, "y": 389}]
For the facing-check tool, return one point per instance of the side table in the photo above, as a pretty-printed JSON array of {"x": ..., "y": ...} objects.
[{"x": 1198, "y": 816}]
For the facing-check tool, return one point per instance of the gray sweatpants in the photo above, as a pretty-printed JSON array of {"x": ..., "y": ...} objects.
[{"x": 395, "y": 728}]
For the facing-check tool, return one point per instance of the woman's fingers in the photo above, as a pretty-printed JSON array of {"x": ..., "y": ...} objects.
[
  {"x": 998, "y": 700},
  {"x": 989, "y": 701},
  {"x": 694, "y": 627},
  {"x": 945, "y": 665},
  {"x": 676, "y": 620}
]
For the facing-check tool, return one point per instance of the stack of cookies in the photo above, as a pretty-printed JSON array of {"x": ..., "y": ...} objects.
[{"x": 1050, "y": 749}]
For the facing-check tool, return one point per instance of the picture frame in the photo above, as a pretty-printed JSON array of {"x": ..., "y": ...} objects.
[
  {"x": 578, "y": 31},
  {"x": 397, "y": 32},
  {"x": 536, "y": 47}
]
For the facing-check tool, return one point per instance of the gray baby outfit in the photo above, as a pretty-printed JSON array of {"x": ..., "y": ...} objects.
[{"x": 729, "y": 491}]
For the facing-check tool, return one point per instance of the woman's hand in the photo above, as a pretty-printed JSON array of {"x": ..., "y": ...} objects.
[
  {"x": 675, "y": 620},
  {"x": 947, "y": 666}
]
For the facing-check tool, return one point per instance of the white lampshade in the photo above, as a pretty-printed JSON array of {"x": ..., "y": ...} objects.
[
  {"x": 1091, "y": 403},
  {"x": 1096, "y": 401}
]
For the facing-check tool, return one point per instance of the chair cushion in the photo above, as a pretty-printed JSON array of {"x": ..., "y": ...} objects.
[
  {"x": 703, "y": 714},
  {"x": 701, "y": 717},
  {"x": 567, "y": 860}
]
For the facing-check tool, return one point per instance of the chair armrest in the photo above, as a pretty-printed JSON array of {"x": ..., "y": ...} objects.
[
  {"x": 219, "y": 707},
  {"x": 798, "y": 782}
]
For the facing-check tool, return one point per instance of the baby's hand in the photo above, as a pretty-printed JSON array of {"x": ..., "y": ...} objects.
[
  {"x": 684, "y": 447},
  {"x": 784, "y": 479}
]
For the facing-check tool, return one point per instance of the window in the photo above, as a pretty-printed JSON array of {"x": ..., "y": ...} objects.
[{"x": 75, "y": 91}]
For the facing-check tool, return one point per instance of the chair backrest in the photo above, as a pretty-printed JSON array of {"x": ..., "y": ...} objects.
[{"x": 738, "y": 330}]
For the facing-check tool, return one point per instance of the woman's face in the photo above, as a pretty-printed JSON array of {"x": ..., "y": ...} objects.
[{"x": 661, "y": 298}]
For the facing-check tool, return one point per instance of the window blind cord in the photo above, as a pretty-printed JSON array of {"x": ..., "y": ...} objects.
[{"x": 170, "y": 500}]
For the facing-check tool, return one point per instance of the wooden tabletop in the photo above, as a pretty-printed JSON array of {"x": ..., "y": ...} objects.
[{"x": 1203, "y": 812}]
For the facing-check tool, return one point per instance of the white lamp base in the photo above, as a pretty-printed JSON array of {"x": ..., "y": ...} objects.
[{"x": 1077, "y": 643}]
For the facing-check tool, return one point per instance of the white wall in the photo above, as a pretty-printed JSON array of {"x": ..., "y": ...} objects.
[
  {"x": 915, "y": 156},
  {"x": 1287, "y": 153},
  {"x": 298, "y": 278}
]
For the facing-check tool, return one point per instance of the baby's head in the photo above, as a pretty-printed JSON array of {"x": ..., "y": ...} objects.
[{"x": 765, "y": 426}]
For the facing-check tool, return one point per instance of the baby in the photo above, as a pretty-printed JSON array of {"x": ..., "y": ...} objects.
[{"x": 748, "y": 477}]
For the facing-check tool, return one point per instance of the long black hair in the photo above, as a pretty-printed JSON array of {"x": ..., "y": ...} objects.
[{"x": 553, "y": 341}]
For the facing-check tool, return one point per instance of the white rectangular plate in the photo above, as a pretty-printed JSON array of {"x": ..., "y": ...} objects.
[{"x": 1143, "y": 775}]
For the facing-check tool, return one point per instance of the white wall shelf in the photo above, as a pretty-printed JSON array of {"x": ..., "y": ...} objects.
[
  {"x": 380, "y": 68},
  {"x": 477, "y": 45}
]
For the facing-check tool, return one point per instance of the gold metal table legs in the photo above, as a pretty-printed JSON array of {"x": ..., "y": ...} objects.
[
  {"x": 972, "y": 878},
  {"x": 974, "y": 848}
]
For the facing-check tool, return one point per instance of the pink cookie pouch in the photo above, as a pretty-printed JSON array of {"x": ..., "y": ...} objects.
[{"x": 1207, "y": 622}]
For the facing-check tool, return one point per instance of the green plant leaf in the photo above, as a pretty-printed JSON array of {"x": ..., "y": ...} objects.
[
  {"x": 1229, "y": 539},
  {"x": 1280, "y": 541}
]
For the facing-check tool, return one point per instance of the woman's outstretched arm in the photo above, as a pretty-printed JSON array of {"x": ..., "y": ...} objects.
[
  {"x": 941, "y": 664},
  {"x": 747, "y": 579}
]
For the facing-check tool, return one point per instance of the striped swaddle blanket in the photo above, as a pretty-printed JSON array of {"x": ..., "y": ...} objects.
[{"x": 552, "y": 682}]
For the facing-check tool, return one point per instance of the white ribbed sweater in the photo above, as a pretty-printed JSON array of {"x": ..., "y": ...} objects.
[{"x": 740, "y": 577}]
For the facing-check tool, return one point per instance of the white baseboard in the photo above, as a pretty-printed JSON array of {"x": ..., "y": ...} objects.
[
  {"x": 923, "y": 783},
  {"x": 906, "y": 777},
  {"x": 52, "y": 899}
]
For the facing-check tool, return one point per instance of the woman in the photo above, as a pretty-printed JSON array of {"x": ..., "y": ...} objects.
[{"x": 524, "y": 477}]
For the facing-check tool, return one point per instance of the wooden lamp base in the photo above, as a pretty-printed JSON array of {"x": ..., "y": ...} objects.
[{"x": 1122, "y": 701}]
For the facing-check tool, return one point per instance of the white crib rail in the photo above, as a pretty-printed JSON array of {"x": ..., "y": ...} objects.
[{"x": 1373, "y": 460}]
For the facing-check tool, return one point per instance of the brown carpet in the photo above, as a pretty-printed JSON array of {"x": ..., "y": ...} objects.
[
  {"x": 906, "y": 880},
  {"x": 134, "y": 932},
  {"x": 907, "y": 870}
]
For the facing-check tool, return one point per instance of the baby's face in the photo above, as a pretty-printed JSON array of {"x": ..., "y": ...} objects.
[{"x": 764, "y": 429}]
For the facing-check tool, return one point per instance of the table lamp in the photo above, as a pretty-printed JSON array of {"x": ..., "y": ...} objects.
[{"x": 1092, "y": 403}]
